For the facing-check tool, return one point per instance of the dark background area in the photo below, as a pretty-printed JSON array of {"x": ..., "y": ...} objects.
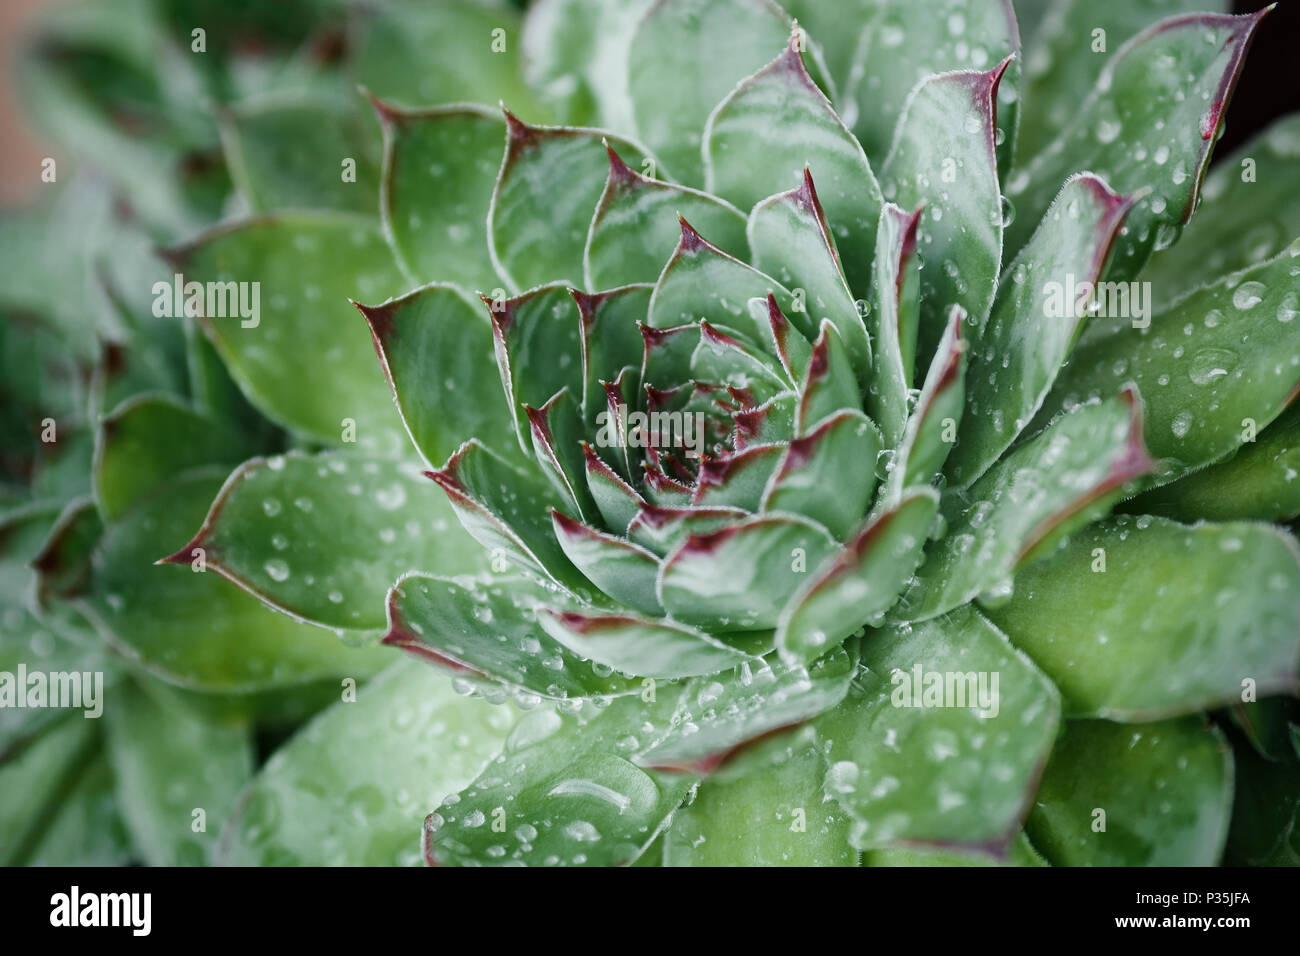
[{"x": 1270, "y": 83}]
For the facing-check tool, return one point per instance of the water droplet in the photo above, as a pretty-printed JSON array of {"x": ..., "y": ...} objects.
[
  {"x": 1210, "y": 365},
  {"x": 1248, "y": 295},
  {"x": 277, "y": 569}
]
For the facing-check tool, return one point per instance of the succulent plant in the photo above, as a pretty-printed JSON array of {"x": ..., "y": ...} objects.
[{"x": 817, "y": 475}]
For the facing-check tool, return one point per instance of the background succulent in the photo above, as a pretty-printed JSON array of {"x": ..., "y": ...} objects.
[{"x": 827, "y": 244}]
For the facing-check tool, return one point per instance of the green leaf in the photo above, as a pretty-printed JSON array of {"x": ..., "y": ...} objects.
[
  {"x": 1260, "y": 481},
  {"x": 621, "y": 569},
  {"x": 779, "y": 114},
  {"x": 903, "y": 44},
  {"x": 306, "y": 266},
  {"x": 611, "y": 340},
  {"x": 678, "y": 70},
  {"x": 740, "y": 577},
  {"x": 828, "y": 383},
  {"x": 1165, "y": 789},
  {"x": 1036, "y": 317},
  {"x": 352, "y": 786},
  {"x": 738, "y": 481},
  {"x": 928, "y": 748},
  {"x": 1110, "y": 620},
  {"x": 169, "y": 762},
  {"x": 550, "y": 181},
  {"x": 1214, "y": 368},
  {"x": 714, "y": 720},
  {"x": 507, "y": 510},
  {"x": 650, "y": 647},
  {"x": 1150, "y": 123},
  {"x": 932, "y": 425},
  {"x": 324, "y": 537},
  {"x": 291, "y": 151},
  {"x": 32, "y": 781},
  {"x": 1060, "y": 480},
  {"x": 637, "y": 225},
  {"x": 562, "y": 792},
  {"x": 476, "y": 59},
  {"x": 436, "y": 348},
  {"x": 893, "y": 320},
  {"x": 440, "y": 167},
  {"x": 861, "y": 582},
  {"x": 776, "y": 815},
  {"x": 575, "y": 54},
  {"x": 832, "y": 455},
  {"x": 1248, "y": 213},
  {"x": 537, "y": 342},
  {"x": 486, "y": 630},
  {"x": 792, "y": 241},
  {"x": 148, "y": 439},
  {"x": 701, "y": 282},
  {"x": 1066, "y": 55},
  {"x": 959, "y": 231},
  {"x": 193, "y": 628},
  {"x": 85, "y": 828},
  {"x": 1018, "y": 853}
]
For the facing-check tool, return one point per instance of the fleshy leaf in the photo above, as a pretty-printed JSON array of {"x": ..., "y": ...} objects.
[
  {"x": 506, "y": 510},
  {"x": 1214, "y": 368},
  {"x": 166, "y": 761},
  {"x": 440, "y": 167},
  {"x": 701, "y": 281},
  {"x": 536, "y": 338},
  {"x": 1067, "y": 476},
  {"x": 1264, "y": 478},
  {"x": 942, "y": 738},
  {"x": 780, "y": 114},
  {"x": 575, "y": 52},
  {"x": 550, "y": 181},
  {"x": 738, "y": 481},
  {"x": 351, "y": 787},
  {"x": 828, "y": 384},
  {"x": 623, "y": 570},
  {"x": 740, "y": 576},
  {"x": 903, "y": 44},
  {"x": 1036, "y": 317},
  {"x": 1248, "y": 213},
  {"x": 893, "y": 320},
  {"x": 611, "y": 339},
  {"x": 1148, "y": 646},
  {"x": 861, "y": 583},
  {"x": 1097, "y": 765},
  {"x": 1063, "y": 61},
  {"x": 791, "y": 241},
  {"x": 486, "y": 630},
  {"x": 617, "y": 501},
  {"x": 839, "y": 453},
  {"x": 686, "y": 56},
  {"x": 288, "y": 152},
  {"x": 932, "y": 426},
  {"x": 664, "y": 529},
  {"x": 568, "y": 796},
  {"x": 276, "y": 525},
  {"x": 127, "y": 459},
  {"x": 31, "y": 782},
  {"x": 953, "y": 116},
  {"x": 1265, "y": 828},
  {"x": 192, "y": 628},
  {"x": 477, "y": 59},
  {"x": 1150, "y": 123},
  {"x": 636, "y": 226},
  {"x": 713, "y": 720},
  {"x": 776, "y": 817},
  {"x": 649, "y": 647},
  {"x": 437, "y": 351},
  {"x": 302, "y": 356}
]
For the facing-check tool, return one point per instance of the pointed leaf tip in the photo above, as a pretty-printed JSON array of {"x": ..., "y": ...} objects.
[
  {"x": 691, "y": 241},
  {"x": 620, "y": 174}
]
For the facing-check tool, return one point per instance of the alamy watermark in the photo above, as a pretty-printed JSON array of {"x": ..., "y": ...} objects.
[
  {"x": 619, "y": 429},
  {"x": 213, "y": 300},
  {"x": 921, "y": 688},
  {"x": 83, "y": 690},
  {"x": 1118, "y": 300}
]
